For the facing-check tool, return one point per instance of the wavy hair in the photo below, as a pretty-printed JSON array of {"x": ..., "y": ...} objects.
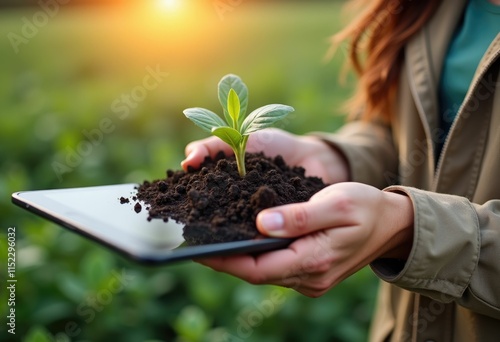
[{"x": 376, "y": 39}]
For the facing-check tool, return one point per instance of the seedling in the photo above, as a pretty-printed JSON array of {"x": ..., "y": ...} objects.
[{"x": 236, "y": 128}]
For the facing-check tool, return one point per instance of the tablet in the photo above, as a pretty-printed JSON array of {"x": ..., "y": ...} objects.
[{"x": 98, "y": 214}]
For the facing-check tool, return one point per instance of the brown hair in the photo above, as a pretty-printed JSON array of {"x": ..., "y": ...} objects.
[{"x": 376, "y": 39}]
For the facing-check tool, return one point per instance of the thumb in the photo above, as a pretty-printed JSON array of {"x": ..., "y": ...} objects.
[
  {"x": 196, "y": 151},
  {"x": 293, "y": 220},
  {"x": 194, "y": 156}
]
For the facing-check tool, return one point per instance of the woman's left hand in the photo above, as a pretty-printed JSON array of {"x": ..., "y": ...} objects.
[{"x": 339, "y": 230}]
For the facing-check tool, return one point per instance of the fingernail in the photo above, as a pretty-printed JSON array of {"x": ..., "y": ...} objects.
[
  {"x": 190, "y": 155},
  {"x": 183, "y": 164},
  {"x": 272, "y": 221},
  {"x": 186, "y": 161}
]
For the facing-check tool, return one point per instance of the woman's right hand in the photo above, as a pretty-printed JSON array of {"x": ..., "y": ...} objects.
[{"x": 314, "y": 155}]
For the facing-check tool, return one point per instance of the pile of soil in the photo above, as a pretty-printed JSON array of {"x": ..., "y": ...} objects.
[{"x": 216, "y": 204}]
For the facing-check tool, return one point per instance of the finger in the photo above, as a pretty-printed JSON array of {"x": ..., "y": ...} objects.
[
  {"x": 324, "y": 210},
  {"x": 263, "y": 141},
  {"x": 249, "y": 269},
  {"x": 268, "y": 268},
  {"x": 272, "y": 141},
  {"x": 309, "y": 254},
  {"x": 197, "y": 151}
]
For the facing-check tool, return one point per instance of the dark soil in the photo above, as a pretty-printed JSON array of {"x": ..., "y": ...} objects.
[{"x": 216, "y": 204}]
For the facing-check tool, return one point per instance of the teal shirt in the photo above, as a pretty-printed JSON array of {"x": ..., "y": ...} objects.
[{"x": 479, "y": 26}]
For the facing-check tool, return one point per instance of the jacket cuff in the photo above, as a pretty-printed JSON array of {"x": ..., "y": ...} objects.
[{"x": 445, "y": 251}]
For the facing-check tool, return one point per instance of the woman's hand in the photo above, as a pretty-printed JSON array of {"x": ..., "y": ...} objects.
[
  {"x": 340, "y": 230},
  {"x": 315, "y": 156}
]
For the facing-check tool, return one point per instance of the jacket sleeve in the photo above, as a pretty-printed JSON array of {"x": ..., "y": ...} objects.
[
  {"x": 455, "y": 254},
  {"x": 369, "y": 150}
]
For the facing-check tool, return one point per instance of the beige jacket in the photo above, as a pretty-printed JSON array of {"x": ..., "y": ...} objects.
[{"x": 449, "y": 288}]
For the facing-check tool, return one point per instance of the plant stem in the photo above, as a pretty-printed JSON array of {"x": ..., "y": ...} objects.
[
  {"x": 239, "y": 152},
  {"x": 240, "y": 161}
]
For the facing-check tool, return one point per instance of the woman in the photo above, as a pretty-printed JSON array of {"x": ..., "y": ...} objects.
[{"x": 427, "y": 117}]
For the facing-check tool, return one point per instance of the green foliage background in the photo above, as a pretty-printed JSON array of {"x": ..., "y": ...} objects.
[{"x": 64, "y": 80}]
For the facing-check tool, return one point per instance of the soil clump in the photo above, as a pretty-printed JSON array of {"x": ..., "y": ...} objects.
[{"x": 217, "y": 205}]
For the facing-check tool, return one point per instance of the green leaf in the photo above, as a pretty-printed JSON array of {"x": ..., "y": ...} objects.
[
  {"x": 264, "y": 117},
  {"x": 226, "y": 83},
  {"x": 229, "y": 135},
  {"x": 204, "y": 118},
  {"x": 233, "y": 107}
]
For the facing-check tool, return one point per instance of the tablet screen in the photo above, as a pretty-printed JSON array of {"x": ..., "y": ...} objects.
[{"x": 97, "y": 213}]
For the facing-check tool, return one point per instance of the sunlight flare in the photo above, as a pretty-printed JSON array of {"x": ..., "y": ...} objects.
[{"x": 170, "y": 5}]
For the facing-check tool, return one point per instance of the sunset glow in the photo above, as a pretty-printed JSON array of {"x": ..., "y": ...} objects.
[{"x": 170, "y": 5}]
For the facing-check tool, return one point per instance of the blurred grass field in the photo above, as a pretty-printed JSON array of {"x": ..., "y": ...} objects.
[{"x": 86, "y": 65}]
